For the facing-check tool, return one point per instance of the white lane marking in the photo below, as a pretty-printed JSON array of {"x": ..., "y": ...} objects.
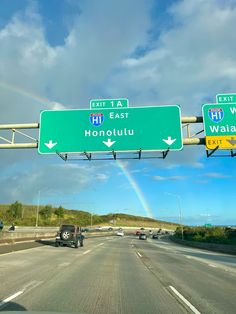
[
  {"x": 212, "y": 265},
  {"x": 64, "y": 264},
  {"x": 185, "y": 300},
  {"x": 19, "y": 251},
  {"x": 100, "y": 244},
  {"x": 86, "y": 252},
  {"x": 25, "y": 241},
  {"x": 30, "y": 285},
  {"x": 219, "y": 266},
  {"x": 140, "y": 255},
  {"x": 161, "y": 246},
  {"x": 15, "y": 295}
]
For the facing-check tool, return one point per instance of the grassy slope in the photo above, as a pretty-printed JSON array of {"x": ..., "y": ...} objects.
[{"x": 83, "y": 218}]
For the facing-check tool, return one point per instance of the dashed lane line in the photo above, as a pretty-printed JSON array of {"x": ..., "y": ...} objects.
[
  {"x": 212, "y": 265},
  {"x": 19, "y": 251},
  {"x": 64, "y": 264},
  {"x": 206, "y": 262},
  {"x": 30, "y": 285},
  {"x": 86, "y": 252},
  {"x": 10, "y": 298},
  {"x": 140, "y": 255},
  {"x": 100, "y": 244},
  {"x": 182, "y": 298}
]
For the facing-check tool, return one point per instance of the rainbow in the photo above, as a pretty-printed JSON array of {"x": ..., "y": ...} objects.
[
  {"x": 136, "y": 188},
  {"x": 23, "y": 92},
  {"x": 35, "y": 97},
  {"x": 42, "y": 100}
]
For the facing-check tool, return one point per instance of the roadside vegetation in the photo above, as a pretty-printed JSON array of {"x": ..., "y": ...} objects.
[
  {"x": 219, "y": 235},
  {"x": 26, "y": 215}
]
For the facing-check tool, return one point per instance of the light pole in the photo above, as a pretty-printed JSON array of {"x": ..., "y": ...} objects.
[
  {"x": 37, "y": 212},
  {"x": 91, "y": 220},
  {"x": 180, "y": 213}
]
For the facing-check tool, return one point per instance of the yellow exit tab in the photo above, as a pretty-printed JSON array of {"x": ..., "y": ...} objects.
[{"x": 224, "y": 142}]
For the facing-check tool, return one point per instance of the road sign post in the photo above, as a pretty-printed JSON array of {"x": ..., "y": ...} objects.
[
  {"x": 106, "y": 130},
  {"x": 220, "y": 125}
]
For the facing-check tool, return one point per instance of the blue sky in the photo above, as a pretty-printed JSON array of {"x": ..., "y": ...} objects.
[{"x": 60, "y": 54}]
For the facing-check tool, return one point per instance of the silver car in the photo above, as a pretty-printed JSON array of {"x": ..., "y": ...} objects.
[{"x": 142, "y": 236}]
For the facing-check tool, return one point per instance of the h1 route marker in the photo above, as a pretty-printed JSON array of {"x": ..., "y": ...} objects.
[
  {"x": 220, "y": 125},
  {"x": 106, "y": 130},
  {"x": 109, "y": 103}
]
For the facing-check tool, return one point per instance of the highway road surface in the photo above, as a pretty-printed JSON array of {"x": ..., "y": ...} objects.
[{"x": 118, "y": 275}]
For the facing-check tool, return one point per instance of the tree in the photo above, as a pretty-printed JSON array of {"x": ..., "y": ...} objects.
[
  {"x": 59, "y": 212},
  {"x": 46, "y": 212},
  {"x": 15, "y": 210}
]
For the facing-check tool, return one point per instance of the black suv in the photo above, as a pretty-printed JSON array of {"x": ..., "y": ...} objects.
[{"x": 69, "y": 235}]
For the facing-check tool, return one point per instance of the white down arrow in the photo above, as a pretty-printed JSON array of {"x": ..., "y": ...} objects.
[
  {"x": 50, "y": 144},
  {"x": 109, "y": 143},
  {"x": 169, "y": 141}
]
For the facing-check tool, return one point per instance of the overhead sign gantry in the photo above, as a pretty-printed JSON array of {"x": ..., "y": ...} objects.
[{"x": 110, "y": 126}]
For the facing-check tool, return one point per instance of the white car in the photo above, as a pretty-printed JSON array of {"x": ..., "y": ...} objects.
[{"x": 120, "y": 233}]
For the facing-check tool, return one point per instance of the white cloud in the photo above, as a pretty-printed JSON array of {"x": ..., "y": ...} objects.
[
  {"x": 216, "y": 175},
  {"x": 36, "y": 76},
  {"x": 57, "y": 106},
  {"x": 141, "y": 170},
  {"x": 170, "y": 178},
  {"x": 190, "y": 62},
  {"x": 101, "y": 177},
  {"x": 101, "y": 36},
  {"x": 51, "y": 179}
]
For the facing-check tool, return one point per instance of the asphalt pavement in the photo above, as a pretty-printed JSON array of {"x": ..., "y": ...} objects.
[{"x": 118, "y": 275}]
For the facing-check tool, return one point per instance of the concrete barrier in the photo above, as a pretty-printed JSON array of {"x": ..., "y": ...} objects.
[
  {"x": 14, "y": 236},
  {"x": 27, "y": 229},
  {"x": 222, "y": 248},
  {"x": 24, "y": 234}
]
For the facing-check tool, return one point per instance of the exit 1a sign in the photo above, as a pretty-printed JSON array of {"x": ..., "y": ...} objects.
[
  {"x": 109, "y": 103},
  {"x": 106, "y": 130}
]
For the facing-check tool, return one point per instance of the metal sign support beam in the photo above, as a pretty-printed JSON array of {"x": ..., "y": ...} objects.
[{"x": 15, "y": 129}]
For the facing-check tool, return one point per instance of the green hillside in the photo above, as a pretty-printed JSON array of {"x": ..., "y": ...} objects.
[{"x": 25, "y": 215}]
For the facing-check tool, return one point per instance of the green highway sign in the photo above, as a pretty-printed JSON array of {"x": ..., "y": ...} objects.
[
  {"x": 109, "y": 103},
  {"x": 226, "y": 98},
  {"x": 208, "y": 225},
  {"x": 126, "y": 129},
  {"x": 220, "y": 125}
]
